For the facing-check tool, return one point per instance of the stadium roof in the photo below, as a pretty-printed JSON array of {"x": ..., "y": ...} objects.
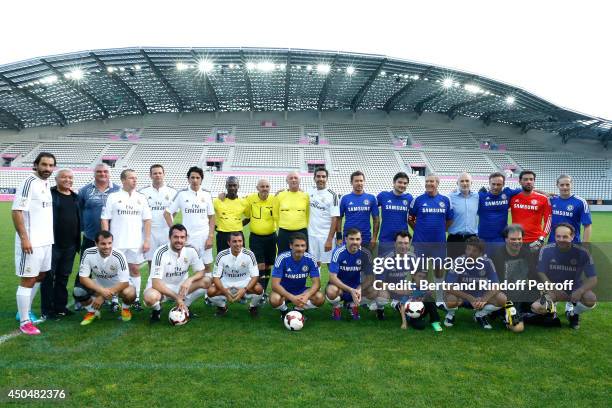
[{"x": 100, "y": 84}]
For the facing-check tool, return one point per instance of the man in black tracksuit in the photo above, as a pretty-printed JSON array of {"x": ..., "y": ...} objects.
[{"x": 67, "y": 235}]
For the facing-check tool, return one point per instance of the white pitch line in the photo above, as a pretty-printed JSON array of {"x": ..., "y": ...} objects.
[
  {"x": 6, "y": 337},
  {"x": 9, "y": 336}
]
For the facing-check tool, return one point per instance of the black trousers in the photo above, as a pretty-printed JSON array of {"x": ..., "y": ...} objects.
[
  {"x": 456, "y": 246},
  {"x": 53, "y": 290},
  {"x": 86, "y": 243},
  {"x": 284, "y": 236},
  {"x": 222, "y": 238}
]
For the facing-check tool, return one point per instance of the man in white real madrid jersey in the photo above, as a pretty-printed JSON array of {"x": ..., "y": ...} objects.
[
  {"x": 235, "y": 276},
  {"x": 159, "y": 196},
  {"x": 198, "y": 215},
  {"x": 32, "y": 213},
  {"x": 323, "y": 219},
  {"x": 129, "y": 216},
  {"x": 103, "y": 274},
  {"x": 170, "y": 278}
]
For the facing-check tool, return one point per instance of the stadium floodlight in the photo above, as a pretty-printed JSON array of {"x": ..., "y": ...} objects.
[
  {"x": 137, "y": 67},
  {"x": 383, "y": 73},
  {"x": 231, "y": 66},
  {"x": 251, "y": 66},
  {"x": 350, "y": 70},
  {"x": 510, "y": 100},
  {"x": 447, "y": 82},
  {"x": 323, "y": 68},
  {"x": 76, "y": 74},
  {"x": 181, "y": 66},
  {"x": 283, "y": 67},
  {"x": 415, "y": 77},
  {"x": 265, "y": 66},
  {"x": 308, "y": 67},
  {"x": 205, "y": 66},
  {"x": 110, "y": 69}
]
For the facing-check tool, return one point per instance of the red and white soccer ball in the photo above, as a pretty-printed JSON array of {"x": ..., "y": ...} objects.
[
  {"x": 294, "y": 320},
  {"x": 414, "y": 310},
  {"x": 178, "y": 317}
]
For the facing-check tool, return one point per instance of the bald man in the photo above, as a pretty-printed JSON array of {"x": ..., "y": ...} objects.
[
  {"x": 228, "y": 213},
  {"x": 291, "y": 211},
  {"x": 262, "y": 240},
  {"x": 465, "y": 217}
]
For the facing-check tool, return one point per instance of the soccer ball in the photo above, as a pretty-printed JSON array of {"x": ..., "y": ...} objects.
[
  {"x": 177, "y": 317},
  {"x": 294, "y": 320},
  {"x": 414, "y": 310}
]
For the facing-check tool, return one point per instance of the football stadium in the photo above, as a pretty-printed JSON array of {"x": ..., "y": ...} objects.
[{"x": 305, "y": 151}]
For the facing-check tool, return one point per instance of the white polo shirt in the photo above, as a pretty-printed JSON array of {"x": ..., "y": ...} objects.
[
  {"x": 324, "y": 204},
  {"x": 196, "y": 206},
  {"x": 126, "y": 213},
  {"x": 235, "y": 271},
  {"x": 107, "y": 272},
  {"x": 172, "y": 267},
  {"x": 158, "y": 201},
  {"x": 33, "y": 197}
]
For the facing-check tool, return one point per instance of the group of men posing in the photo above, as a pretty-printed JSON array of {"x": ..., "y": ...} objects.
[{"x": 291, "y": 234}]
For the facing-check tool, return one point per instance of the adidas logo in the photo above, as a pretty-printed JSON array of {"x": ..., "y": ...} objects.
[
  {"x": 288, "y": 269},
  {"x": 344, "y": 262},
  {"x": 388, "y": 201}
]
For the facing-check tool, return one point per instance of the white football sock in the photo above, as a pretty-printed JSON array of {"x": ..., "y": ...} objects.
[
  {"x": 450, "y": 312},
  {"x": 486, "y": 310},
  {"x": 309, "y": 305},
  {"x": 581, "y": 308},
  {"x": 156, "y": 306},
  {"x": 334, "y": 302},
  {"x": 136, "y": 283},
  {"x": 381, "y": 302},
  {"x": 193, "y": 296},
  {"x": 218, "y": 301},
  {"x": 23, "y": 304},
  {"x": 33, "y": 293},
  {"x": 569, "y": 306},
  {"x": 90, "y": 308},
  {"x": 255, "y": 299},
  {"x": 124, "y": 306},
  {"x": 282, "y": 307}
]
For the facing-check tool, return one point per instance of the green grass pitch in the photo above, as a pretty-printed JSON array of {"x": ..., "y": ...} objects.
[{"x": 235, "y": 361}]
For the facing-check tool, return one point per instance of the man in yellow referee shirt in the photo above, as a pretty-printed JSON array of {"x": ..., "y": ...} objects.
[
  {"x": 262, "y": 241},
  {"x": 291, "y": 211},
  {"x": 228, "y": 213}
]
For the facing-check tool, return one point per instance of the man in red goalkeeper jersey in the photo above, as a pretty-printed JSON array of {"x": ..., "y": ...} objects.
[{"x": 532, "y": 210}]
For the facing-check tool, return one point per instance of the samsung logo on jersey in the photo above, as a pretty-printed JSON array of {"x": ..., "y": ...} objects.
[
  {"x": 433, "y": 210},
  {"x": 297, "y": 276},
  {"x": 563, "y": 213},
  {"x": 565, "y": 268},
  {"x": 358, "y": 208},
  {"x": 525, "y": 206},
  {"x": 396, "y": 207},
  {"x": 350, "y": 268},
  {"x": 493, "y": 203}
]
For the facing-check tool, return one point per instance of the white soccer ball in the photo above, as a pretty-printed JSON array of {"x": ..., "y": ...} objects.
[
  {"x": 294, "y": 320},
  {"x": 178, "y": 317},
  {"x": 414, "y": 310}
]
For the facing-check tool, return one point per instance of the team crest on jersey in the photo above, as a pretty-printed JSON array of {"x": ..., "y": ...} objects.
[
  {"x": 185, "y": 260},
  {"x": 573, "y": 262},
  {"x": 570, "y": 207},
  {"x": 503, "y": 196},
  {"x": 358, "y": 262},
  {"x": 119, "y": 201},
  {"x": 242, "y": 265},
  {"x": 366, "y": 202},
  {"x": 167, "y": 197},
  {"x": 28, "y": 269},
  {"x": 305, "y": 268},
  {"x": 149, "y": 198},
  {"x": 534, "y": 202},
  {"x": 405, "y": 202},
  {"x": 201, "y": 199},
  {"x": 23, "y": 202},
  {"x": 113, "y": 268},
  {"x": 441, "y": 204}
]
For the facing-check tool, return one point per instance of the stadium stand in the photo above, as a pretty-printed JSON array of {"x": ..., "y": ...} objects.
[
  {"x": 360, "y": 135},
  {"x": 194, "y": 133},
  {"x": 66, "y": 153},
  {"x": 472, "y": 162},
  {"x": 246, "y": 133},
  {"x": 438, "y": 137},
  {"x": 282, "y": 157}
]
